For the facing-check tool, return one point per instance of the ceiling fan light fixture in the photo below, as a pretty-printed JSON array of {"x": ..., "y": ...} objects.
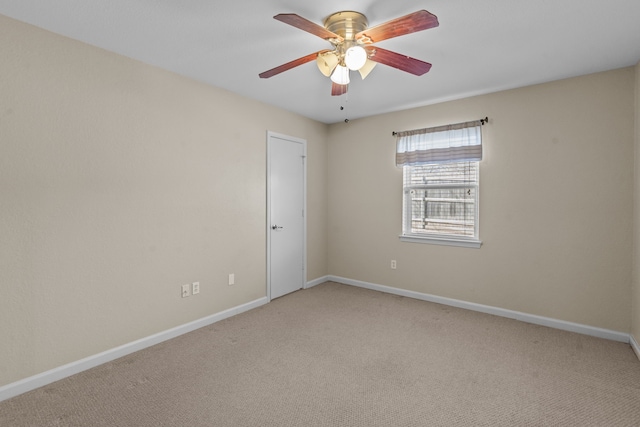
[
  {"x": 327, "y": 62},
  {"x": 355, "y": 57},
  {"x": 366, "y": 68},
  {"x": 340, "y": 75}
]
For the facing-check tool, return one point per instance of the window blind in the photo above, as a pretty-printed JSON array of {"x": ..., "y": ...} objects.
[{"x": 460, "y": 142}]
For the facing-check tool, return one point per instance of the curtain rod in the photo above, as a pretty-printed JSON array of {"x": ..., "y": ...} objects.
[{"x": 482, "y": 121}]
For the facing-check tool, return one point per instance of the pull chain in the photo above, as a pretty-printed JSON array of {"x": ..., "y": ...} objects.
[{"x": 346, "y": 110}]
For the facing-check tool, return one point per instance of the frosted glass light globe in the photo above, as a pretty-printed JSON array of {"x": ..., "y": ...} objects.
[
  {"x": 340, "y": 75},
  {"x": 355, "y": 57}
]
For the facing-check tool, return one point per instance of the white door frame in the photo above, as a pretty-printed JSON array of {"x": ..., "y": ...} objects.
[{"x": 270, "y": 135}]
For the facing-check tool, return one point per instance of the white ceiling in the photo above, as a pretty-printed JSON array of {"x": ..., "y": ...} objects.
[{"x": 479, "y": 47}]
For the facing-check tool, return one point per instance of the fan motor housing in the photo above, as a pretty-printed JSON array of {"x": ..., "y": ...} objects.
[{"x": 346, "y": 24}]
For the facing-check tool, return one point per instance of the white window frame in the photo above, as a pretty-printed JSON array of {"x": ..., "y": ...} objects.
[{"x": 440, "y": 238}]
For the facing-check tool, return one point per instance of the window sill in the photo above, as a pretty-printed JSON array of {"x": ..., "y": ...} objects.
[{"x": 464, "y": 243}]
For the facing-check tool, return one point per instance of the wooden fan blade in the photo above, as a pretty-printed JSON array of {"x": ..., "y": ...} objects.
[
  {"x": 417, "y": 21},
  {"x": 337, "y": 90},
  {"x": 308, "y": 26},
  {"x": 396, "y": 60},
  {"x": 289, "y": 65}
]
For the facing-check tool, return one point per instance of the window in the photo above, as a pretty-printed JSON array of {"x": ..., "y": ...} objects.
[
  {"x": 440, "y": 184},
  {"x": 440, "y": 200}
]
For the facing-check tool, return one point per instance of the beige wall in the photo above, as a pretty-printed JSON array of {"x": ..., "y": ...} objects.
[
  {"x": 635, "y": 324},
  {"x": 555, "y": 202},
  {"x": 119, "y": 182}
]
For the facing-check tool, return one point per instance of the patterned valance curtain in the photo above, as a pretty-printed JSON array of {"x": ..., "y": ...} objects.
[{"x": 461, "y": 142}]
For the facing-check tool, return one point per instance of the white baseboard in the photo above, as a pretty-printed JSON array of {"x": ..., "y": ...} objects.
[
  {"x": 316, "y": 282},
  {"x": 524, "y": 317},
  {"x": 634, "y": 345},
  {"x": 22, "y": 386}
]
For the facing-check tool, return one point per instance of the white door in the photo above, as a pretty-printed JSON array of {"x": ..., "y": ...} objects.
[{"x": 286, "y": 185}]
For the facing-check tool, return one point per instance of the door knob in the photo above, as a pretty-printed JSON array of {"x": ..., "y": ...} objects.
[{"x": 275, "y": 227}]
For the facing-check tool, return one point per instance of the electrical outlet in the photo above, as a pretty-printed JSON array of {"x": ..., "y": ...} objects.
[
  {"x": 393, "y": 264},
  {"x": 195, "y": 288},
  {"x": 185, "y": 290},
  {"x": 232, "y": 279}
]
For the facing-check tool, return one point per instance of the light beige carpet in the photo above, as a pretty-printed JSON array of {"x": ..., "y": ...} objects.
[{"x": 336, "y": 355}]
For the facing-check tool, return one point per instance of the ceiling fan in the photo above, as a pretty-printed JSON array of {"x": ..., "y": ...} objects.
[{"x": 353, "y": 45}]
